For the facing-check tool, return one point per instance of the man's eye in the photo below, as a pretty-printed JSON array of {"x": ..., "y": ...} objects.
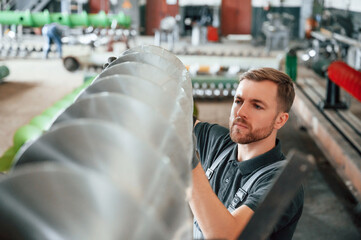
[{"x": 257, "y": 106}]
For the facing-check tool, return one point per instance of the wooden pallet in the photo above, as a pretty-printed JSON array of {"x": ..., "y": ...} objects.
[{"x": 337, "y": 132}]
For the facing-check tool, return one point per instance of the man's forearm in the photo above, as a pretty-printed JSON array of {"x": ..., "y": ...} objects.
[{"x": 213, "y": 217}]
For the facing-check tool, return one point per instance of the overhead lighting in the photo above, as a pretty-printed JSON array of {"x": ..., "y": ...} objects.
[
  {"x": 305, "y": 57},
  {"x": 312, "y": 53}
]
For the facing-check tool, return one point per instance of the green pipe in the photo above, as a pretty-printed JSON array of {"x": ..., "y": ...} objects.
[
  {"x": 4, "y": 71},
  {"x": 38, "y": 19}
]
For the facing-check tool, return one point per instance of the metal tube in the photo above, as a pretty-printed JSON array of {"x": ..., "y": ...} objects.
[
  {"x": 123, "y": 148},
  {"x": 38, "y": 19}
]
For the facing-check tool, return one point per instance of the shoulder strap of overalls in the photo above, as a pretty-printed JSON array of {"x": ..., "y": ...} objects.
[
  {"x": 197, "y": 233},
  {"x": 243, "y": 191},
  {"x": 215, "y": 164}
]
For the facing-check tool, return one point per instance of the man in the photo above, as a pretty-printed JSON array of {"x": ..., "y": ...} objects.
[
  {"x": 52, "y": 33},
  {"x": 260, "y": 108}
]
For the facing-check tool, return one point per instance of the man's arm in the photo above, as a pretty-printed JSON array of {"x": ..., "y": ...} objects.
[
  {"x": 195, "y": 121},
  {"x": 213, "y": 217}
]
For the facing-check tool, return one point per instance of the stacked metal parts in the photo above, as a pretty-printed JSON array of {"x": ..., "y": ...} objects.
[
  {"x": 115, "y": 164},
  {"x": 215, "y": 89}
]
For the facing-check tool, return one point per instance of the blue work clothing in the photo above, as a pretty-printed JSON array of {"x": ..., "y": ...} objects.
[{"x": 53, "y": 33}]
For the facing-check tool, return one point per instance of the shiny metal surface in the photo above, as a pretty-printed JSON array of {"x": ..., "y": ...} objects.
[
  {"x": 137, "y": 88},
  {"x": 157, "y": 51},
  {"x": 99, "y": 146},
  {"x": 114, "y": 165},
  {"x": 52, "y": 202},
  {"x": 168, "y": 56},
  {"x": 186, "y": 82},
  {"x": 171, "y": 65},
  {"x": 152, "y": 74},
  {"x": 152, "y": 95},
  {"x": 139, "y": 119},
  {"x": 145, "y": 71},
  {"x": 110, "y": 150}
]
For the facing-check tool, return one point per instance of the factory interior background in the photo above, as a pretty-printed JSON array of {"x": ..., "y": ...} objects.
[{"x": 316, "y": 42}]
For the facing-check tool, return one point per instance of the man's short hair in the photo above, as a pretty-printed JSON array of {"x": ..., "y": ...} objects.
[{"x": 285, "y": 89}]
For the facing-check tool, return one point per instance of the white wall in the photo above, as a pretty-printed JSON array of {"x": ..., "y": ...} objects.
[
  {"x": 200, "y": 2},
  {"x": 277, "y": 3},
  {"x": 352, "y": 5},
  {"x": 306, "y": 12}
]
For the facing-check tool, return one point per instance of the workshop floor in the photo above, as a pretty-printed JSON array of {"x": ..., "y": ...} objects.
[{"x": 329, "y": 212}]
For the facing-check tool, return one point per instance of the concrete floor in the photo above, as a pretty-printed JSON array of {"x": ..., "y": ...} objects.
[
  {"x": 31, "y": 87},
  {"x": 329, "y": 211}
]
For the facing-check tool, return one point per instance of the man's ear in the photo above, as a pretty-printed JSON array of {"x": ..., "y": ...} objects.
[{"x": 281, "y": 119}]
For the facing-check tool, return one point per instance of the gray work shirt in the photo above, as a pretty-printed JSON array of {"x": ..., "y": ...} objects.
[{"x": 230, "y": 175}]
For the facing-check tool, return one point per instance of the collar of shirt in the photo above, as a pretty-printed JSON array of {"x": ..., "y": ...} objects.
[{"x": 264, "y": 159}]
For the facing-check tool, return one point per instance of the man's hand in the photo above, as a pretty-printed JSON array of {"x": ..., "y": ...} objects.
[{"x": 215, "y": 221}]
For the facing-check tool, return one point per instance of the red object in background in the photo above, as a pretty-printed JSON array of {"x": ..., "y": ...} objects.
[
  {"x": 212, "y": 34},
  {"x": 310, "y": 26},
  {"x": 346, "y": 77},
  {"x": 96, "y": 6},
  {"x": 155, "y": 11},
  {"x": 236, "y": 17}
]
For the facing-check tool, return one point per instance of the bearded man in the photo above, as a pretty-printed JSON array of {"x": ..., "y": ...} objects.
[{"x": 242, "y": 162}]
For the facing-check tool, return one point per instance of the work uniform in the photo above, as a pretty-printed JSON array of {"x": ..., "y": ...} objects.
[
  {"x": 53, "y": 33},
  {"x": 230, "y": 175}
]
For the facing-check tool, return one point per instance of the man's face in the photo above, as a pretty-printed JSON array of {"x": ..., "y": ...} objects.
[{"x": 254, "y": 111}]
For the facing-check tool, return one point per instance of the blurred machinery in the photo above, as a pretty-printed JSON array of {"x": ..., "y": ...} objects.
[
  {"x": 341, "y": 75},
  {"x": 277, "y": 30},
  {"x": 335, "y": 55},
  {"x": 86, "y": 29},
  {"x": 168, "y": 31},
  {"x": 213, "y": 77},
  {"x": 330, "y": 46},
  {"x": 335, "y": 39},
  {"x": 32, "y": 47}
]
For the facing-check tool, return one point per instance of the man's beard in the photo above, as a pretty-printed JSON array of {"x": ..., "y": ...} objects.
[{"x": 252, "y": 136}]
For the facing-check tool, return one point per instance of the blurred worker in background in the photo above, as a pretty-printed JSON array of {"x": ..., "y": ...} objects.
[
  {"x": 52, "y": 32},
  {"x": 260, "y": 108}
]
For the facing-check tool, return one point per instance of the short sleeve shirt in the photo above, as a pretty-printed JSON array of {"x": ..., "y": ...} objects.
[{"x": 231, "y": 174}]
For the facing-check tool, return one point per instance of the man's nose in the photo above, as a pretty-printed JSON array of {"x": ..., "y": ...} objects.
[{"x": 242, "y": 111}]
